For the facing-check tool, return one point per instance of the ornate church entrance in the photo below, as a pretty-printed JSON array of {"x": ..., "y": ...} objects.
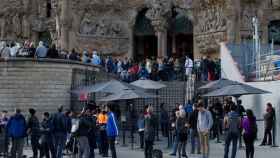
[
  {"x": 177, "y": 41},
  {"x": 144, "y": 37}
]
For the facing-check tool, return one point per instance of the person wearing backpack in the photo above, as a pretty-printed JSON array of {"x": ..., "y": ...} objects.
[
  {"x": 16, "y": 129},
  {"x": 61, "y": 125},
  {"x": 232, "y": 124},
  {"x": 250, "y": 131}
]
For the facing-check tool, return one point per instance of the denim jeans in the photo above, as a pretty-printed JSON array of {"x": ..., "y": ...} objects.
[
  {"x": 231, "y": 137},
  {"x": 204, "y": 144},
  {"x": 195, "y": 143},
  {"x": 175, "y": 145},
  {"x": 59, "y": 143},
  {"x": 17, "y": 147},
  {"x": 84, "y": 150}
]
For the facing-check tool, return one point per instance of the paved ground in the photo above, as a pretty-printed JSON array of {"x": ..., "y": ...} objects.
[{"x": 216, "y": 151}]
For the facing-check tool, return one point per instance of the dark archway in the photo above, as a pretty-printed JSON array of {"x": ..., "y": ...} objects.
[
  {"x": 274, "y": 32},
  {"x": 145, "y": 41},
  {"x": 180, "y": 34},
  {"x": 49, "y": 9},
  {"x": 45, "y": 37}
]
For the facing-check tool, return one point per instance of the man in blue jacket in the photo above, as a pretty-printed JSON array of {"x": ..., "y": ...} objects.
[
  {"x": 112, "y": 131},
  {"x": 16, "y": 128}
]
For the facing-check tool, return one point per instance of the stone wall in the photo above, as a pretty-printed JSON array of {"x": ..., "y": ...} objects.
[{"x": 43, "y": 85}]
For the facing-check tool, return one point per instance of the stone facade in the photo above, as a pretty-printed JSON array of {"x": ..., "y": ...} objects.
[
  {"x": 43, "y": 85},
  {"x": 108, "y": 25}
]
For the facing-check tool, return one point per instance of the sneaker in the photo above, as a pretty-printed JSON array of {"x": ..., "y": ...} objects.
[{"x": 172, "y": 154}]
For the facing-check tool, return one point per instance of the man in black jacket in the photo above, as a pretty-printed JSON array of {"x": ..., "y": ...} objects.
[
  {"x": 149, "y": 131},
  {"x": 33, "y": 128},
  {"x": 193, "y": 131}
]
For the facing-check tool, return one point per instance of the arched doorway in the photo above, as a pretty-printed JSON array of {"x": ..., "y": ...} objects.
[
  {"x": 45, "y": 37},
  {"x": 274, "y": 32},
  {"x": 144, "y": 37},
  {"x": 180, "y": 34}
]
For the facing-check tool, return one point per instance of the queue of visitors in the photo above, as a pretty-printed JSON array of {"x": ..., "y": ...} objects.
[
  {"x": 164, "y": 69},
  {"x": 59, "y": 132},
  {"x": 97, "y": 128},
  {"x": 201, "y": 123}
]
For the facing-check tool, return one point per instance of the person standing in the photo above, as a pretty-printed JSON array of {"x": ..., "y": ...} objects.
[
  {"x": 3, "y": 131},
  {"x": 241, "y": 111},
  {"x": 92, "y": 132},
  {"x": 195, "y": 143},
  {"x": 41, "y": 51},
  {"x": 149, "y": 131},
  {"x": 141, "y": 128},
  {"x": 16, "y": 129},
  {"x": 250, "y": 131},
  {"x": 5, "y": 52},
  {"x": 111, "y": 131},
  {"x": 61, "y": 127},
  {"x": 46, "y": 143},
  {"x": 102, "y": 119},
  {"x": 269, "y": 118},
  {"x": 181, "y": 125},
  {"x": 52, "y": 52},
  {"x": 232, "y": 123},
  {"x": 164, "y": 120},
  {"x": 33, "y": 128},
  {"x": 204, "y": 124},
  {"x": 188, "y": 67},
  {"x": 82, "y": 135},
  {"x": 176, "y": 133}
]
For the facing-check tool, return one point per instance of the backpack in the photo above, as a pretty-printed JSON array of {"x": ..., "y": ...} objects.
[
  {"x": 234, "y": 124},
  {"x": 17, "y": 128},
  {"x": 157, "y": 153}
]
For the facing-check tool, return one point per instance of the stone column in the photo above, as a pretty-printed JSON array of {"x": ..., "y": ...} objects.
[
  {"x": 161, "y": 33},
  {"x": 174, "y": 51},
  {"x": 162, "y": 43},
  {"x": 64, "y": 38},
  {"x": 130, "y": 54}
]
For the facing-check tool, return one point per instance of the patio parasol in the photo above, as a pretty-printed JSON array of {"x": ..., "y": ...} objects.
[{"x": 236, "y": 90}]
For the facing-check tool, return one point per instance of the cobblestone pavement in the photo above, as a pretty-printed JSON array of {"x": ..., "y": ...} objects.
[{"x": 216, "y": 151}]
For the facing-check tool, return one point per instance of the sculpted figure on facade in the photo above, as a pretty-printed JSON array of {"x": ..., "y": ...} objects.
[
  {"x": 17, "y": 25},
  {"x": 86, "y": 24},
  {"x": 26, "y": 26}
]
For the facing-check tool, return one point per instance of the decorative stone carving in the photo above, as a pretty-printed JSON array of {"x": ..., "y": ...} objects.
[
  {"x": 247, "y": 15},
  {"x": 26, "y": 28},
  {"x": 17, "y": 25},
  {"x": 209, "y": 43},
  {"x": 159, "y": 13},
  {"x": 102, "y": 27}
]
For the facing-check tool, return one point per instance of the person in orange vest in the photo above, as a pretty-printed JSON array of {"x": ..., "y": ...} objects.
[{"x": 102, "y": 119}]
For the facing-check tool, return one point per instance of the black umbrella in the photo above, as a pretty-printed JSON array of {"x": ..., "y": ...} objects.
[
  {"x": 218, "y": 84},
  {"x": 236, "y": 90}
]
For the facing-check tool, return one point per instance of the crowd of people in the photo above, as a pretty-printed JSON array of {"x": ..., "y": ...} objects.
[
  {"x": 164, "y": 69},
  {"x": 78, "y": 133},
  {"x": 200, "y": 124},
  {"x": 97, "y": 128}
]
